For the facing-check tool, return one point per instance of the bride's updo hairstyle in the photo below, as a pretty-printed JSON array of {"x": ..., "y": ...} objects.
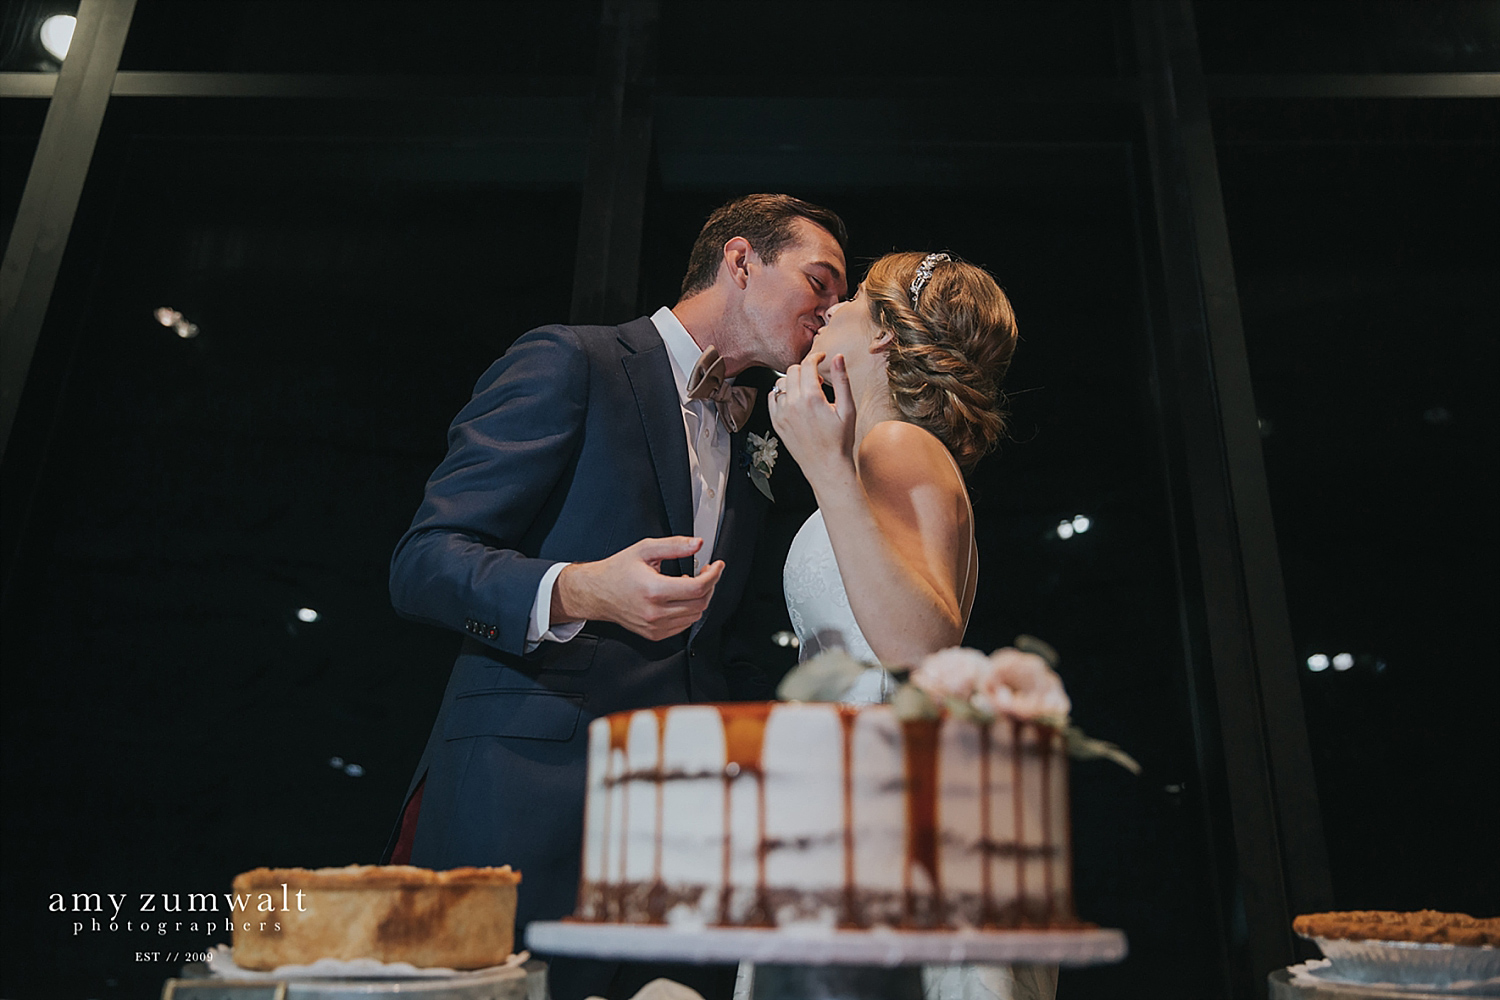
[{"x": 950, "y": 349}]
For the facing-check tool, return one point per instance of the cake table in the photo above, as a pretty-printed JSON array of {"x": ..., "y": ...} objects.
[{"x": 827, "y": 964}]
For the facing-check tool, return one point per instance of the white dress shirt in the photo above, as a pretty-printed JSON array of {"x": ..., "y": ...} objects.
[{"x": 708, "y": 472}]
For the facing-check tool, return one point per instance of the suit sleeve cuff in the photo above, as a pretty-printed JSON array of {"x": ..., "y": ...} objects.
[{"x": 540, "y": 629}]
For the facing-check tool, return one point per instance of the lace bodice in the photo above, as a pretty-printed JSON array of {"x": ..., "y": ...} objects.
[
  {"x": 818, "y": 604},
  {"x": 815, "y": 596}
]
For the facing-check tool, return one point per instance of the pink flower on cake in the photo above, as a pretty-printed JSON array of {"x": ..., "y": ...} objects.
[
  {"x": 1008, "y": 681},
  {"x": 965, "y": 684},
  {"x": 952, "y": 673},
  {"x": 1022, "y": 686}
]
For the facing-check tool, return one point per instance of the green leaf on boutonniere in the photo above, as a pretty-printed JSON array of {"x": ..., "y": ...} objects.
[
  {"x": 760, "y": 460},
  {"x": 762, "y": 483}
]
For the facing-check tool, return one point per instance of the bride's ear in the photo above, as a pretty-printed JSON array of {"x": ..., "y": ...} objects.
[{"x": 882, "y": 342}]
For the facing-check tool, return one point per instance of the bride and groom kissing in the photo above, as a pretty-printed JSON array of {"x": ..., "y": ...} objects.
[{"x": 591, "y": 528}]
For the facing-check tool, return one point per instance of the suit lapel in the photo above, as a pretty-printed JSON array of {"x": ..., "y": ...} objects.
[{"x": 656, "y": 398}]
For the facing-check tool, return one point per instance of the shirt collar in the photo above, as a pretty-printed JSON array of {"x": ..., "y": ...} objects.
[{"x": 682, "y": 349}]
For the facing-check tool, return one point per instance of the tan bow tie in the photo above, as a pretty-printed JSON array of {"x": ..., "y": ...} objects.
[{"x": 707, "y": 382}]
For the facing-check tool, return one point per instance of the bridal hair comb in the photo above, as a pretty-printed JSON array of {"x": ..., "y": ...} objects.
[{"x": 924, "y": 274}]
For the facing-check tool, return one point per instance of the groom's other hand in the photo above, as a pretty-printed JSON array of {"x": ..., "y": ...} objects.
[{"x": 629, "y": 589}]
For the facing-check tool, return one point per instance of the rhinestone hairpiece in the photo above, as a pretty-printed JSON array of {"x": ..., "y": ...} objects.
[{"x": 924, "y": 274}]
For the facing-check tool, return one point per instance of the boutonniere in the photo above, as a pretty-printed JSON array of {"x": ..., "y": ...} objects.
[{"x": 758, "y": 459}]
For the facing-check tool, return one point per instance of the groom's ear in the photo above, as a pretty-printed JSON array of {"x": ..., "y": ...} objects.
[{"x": 736, "y": 260}]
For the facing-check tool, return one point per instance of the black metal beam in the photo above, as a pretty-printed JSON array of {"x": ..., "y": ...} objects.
[
  {"x": 606, "y": 272},
  {"x": 142, "y": 83},
  {"x": 58, "y": 170},
  {"x": 1278, "y": 832},
  {"x": 1355, "y": 85}
]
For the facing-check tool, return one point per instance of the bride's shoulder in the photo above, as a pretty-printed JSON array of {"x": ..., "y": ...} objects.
[
  {"x": 900, "y": 436},
  {"x": 898, "y": 451}
]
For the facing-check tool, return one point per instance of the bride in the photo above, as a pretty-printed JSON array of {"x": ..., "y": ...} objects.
[{"x": 886, "y": 566}]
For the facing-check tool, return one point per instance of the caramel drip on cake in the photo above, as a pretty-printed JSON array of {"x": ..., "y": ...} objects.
[
  {"x": 1067, "y": 844},
  {"x": 920, "y": 746},
  {"x": 619, "y": 730},
  {"x": 745, "y": 733},
  {"x": 744, "y": 743},
  {"x": 847, "y": 915},
  {"x": 987, "y": 915},
  {"x": 727, "y": 852},
  {"x": 603, "y": 853},
  {"x": 656, "y": 905},
  {"x": 1018, "y": 806},
  {"x": 1045, "y": 737}
]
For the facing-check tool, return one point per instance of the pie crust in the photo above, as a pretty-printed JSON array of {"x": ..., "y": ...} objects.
[
  {"x": 1424, "y": 926},
  {"x": 458, "y": 919}
]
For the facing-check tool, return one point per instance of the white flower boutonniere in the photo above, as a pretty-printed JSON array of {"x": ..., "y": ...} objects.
[{"x": 759, "y": 459}]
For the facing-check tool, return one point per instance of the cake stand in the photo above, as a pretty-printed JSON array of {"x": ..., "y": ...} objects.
[{"x": 823, "y": 963}]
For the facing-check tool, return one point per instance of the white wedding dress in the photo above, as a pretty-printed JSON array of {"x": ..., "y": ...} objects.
[{"x": 818, "y": 604}]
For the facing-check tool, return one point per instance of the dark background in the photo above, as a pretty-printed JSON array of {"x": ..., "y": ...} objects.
[{"x": 354, "y": 265}]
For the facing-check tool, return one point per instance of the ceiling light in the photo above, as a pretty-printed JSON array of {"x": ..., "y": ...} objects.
[
  {"x": 172, "y": 319},
  {"x": 57, "y": 35}
]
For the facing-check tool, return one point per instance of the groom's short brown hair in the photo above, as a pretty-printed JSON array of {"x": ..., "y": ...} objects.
[{"x": 766, "y": 221}]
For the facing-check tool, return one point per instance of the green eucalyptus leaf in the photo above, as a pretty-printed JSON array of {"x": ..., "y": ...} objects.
[
  {"x": 1082, "y": 747},
  {"x": 825, "y": 677},
  {"x": 958, "y": 708},
  {"x": 911, "y": 703},
  {"x": 1031, "y": 644}
]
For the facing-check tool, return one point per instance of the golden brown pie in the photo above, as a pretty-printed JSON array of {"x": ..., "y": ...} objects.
[
  {"x": 459, "y": 919},
  {"x": 1427, "y": 926}
]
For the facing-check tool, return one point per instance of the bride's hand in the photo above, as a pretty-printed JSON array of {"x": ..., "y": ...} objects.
[{"x": 819, "y": 434}]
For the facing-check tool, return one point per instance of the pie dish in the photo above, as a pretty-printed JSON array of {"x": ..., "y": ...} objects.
[{"x": 1424, "y": 949}]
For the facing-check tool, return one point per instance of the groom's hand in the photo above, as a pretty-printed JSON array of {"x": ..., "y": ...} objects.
[{"x": 628, "y": 589}]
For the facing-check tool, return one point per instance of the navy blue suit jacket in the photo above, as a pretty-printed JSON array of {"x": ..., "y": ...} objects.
[{"x": 572, "y": 448}]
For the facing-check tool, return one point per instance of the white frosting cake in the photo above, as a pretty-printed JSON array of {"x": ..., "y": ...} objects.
[{"x": 774, "y": 814}]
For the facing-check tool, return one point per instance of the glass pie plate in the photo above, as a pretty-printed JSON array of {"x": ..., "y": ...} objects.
[{"x": 1462, "y": 969}]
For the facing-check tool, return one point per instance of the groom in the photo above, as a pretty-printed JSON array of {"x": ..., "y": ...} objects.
[{"x": 590, "y": 531}]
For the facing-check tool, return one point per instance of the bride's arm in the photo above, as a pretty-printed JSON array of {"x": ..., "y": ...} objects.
[
  {"x": 899, "y": 532},
  {"x": 896, "y": 516}
]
